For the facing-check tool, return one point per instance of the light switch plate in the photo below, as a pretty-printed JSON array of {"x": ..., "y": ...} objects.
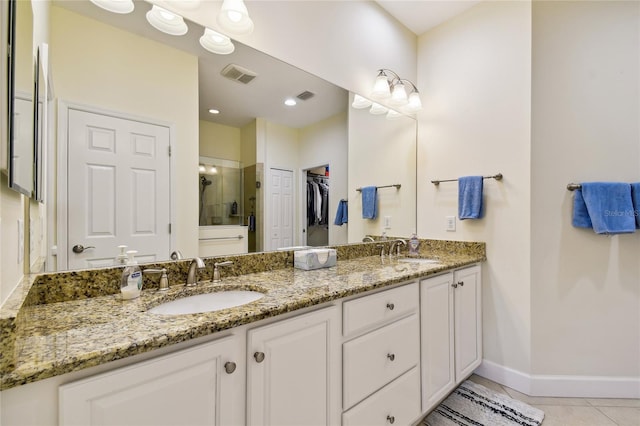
[{"x": 451, "y": 224}]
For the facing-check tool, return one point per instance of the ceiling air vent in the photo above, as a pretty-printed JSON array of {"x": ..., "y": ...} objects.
[
  {"x": 305, "y": 95},
  {"x": 238, "y": 73}
]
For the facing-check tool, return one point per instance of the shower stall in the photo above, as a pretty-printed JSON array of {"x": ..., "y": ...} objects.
[{"x": 220, "y": 193}]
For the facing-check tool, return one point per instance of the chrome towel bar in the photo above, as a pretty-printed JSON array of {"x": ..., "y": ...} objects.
[
  {"x": 496, "y": 177},
  {"x": 396, "y": 185},
  {"x": 237, "y": 237},
  {"x": 574, "y": 186}
]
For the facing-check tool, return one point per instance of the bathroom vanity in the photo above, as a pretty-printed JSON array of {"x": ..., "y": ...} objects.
[{"x": 369, "y": 341}]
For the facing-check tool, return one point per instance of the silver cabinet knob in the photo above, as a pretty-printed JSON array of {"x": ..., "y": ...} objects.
[
  {"x": 460, "y": 283},
  {"x": 229, "y": 367},
  {"x": 79, "y": 248},
  {"x": 454, "y": 285},
  {"x": 390, "y": 306},
  {"x": 391, "y": 419},
  {"x": 391, "y": 357},
  {"x": 259, "y": 356}
]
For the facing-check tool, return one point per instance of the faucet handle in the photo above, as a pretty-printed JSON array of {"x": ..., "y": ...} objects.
[
  {"x": 216, "y": 272},
  {"x": 381, "y": 247},
  {"x": 164, "y": 279}
]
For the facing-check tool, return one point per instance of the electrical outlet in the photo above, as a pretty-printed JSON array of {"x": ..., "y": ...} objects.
[{"x": 451, "y": 223}]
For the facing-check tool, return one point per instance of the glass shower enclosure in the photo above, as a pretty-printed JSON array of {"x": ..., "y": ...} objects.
[{"x": 220, "y": 185}]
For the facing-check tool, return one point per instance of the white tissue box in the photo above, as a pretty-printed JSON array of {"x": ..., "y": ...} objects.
[{"x": 314, "y": 259}]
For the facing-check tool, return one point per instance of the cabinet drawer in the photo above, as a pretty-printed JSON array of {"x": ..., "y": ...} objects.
[
  {"x": 398, "y": 402},
  {"x": 368, "y": 311},
  {"x": 373, "y": 360}
]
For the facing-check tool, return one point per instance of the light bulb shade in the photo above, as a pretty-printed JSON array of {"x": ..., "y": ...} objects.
[
  {"x": 381, "y": 88},
  {"x": 415, "y": 104},
  {"x": 167, "y": 22},
  {"x": 215, "y": 42},
  {"x": 398, "y": 95},
  {"x": 115, "y": 6},
  {"x": 393, "y": 114},
  {"x": 360, "y": 103},
  {"x": 378, "y": 109},
  {"x": 234, "y": 18}
]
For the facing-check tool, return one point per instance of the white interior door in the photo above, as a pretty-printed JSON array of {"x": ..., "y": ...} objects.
[
  {"x": 118, "y": 181},
  {"x": 281, "y": 215}
]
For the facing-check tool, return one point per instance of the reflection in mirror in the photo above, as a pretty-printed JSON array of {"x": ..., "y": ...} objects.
[
  {"x": 121, "y": 66},
  {"x": 21, "y": 77}
]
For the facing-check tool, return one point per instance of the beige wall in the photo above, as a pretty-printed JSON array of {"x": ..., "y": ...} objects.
[
  {"x": 219, "y": 141},
  {"x": 474, "y": 72},
  {"x": 110, "y": 78},
  {"x": 585, "y": 291}
]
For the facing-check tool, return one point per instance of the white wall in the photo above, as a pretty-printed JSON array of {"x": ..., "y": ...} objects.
[
  {"x": 109, "y": 78},
  {"x": 323, "y": 143},
  {"x": 382, "y": 152},
  {"x": 474, "y": 72},
  {"x": 585, "y": 291}
]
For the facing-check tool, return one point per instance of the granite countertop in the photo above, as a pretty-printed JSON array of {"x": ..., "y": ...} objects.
[{"x": 61, "y": 337}]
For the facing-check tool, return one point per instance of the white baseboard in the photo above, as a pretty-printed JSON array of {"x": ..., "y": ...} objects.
[{"x": 561, "y": 386}]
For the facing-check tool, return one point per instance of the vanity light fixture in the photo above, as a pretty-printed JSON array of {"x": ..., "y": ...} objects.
[
  {"x": 360, "y": 102},
  {"x": 213, "y": 170},
  {"x": 234, "y": 18},
  {"x": 201, "y": 168},
  {"x": 215, "y": 42},
  {"x": 167, "y": 22},
  {"x": 377, "y": 109},
  {"x": 389, "y": 85},
  {"x": 393, "y": 114},
  {"x": 115, "y": 6}
]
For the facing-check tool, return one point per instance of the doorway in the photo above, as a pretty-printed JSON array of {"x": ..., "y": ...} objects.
[{"x": 317, "y": 206}]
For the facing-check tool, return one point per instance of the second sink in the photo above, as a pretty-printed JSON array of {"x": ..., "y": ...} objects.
[{"x": 208, "y": 302}]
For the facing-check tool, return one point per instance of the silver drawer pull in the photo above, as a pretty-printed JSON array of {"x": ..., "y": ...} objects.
[
  {"x": 259, "y": 356},
  {"x": 391, "y": 357},
  {"x": 230, "y": 367},
  {"x": 391, "y": 419},
  {"x": 390, "y": 306}
]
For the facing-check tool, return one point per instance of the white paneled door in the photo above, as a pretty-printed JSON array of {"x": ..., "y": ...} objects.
[
  {"x": 281, "y": 204},
  {"x": 118, "y": 189}
]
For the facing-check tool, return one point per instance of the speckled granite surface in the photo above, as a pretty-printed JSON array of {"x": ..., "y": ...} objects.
[{"x": 58, "y": 323}]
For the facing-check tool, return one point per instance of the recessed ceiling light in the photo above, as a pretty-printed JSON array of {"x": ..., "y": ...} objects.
[
  {"x": 290, "y": 102},
  {"x": 167, "y": 22},
  {"x": 115, "y": 6},
  {"x": 215, "y": 42},
  {"x": 214, "y": 111}
]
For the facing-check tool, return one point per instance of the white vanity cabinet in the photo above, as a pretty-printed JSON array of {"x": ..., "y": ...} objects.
[
  {"x": 203, "y": 385},
  {"x": 293, "y": 370},
  {"x": 451, "y": 331},
  {"x": 381, "y": 358}
]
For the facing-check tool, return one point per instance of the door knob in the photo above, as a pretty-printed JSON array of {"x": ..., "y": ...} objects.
[{"x": 79, "y": 248}]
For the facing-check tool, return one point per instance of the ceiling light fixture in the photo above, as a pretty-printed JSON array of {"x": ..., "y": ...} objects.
[
  {"x": 391, "y": 86},
  {"x": 290, "y": 102},
  {"x": 215, "y": 42},
  {"x": 234, "y": 18},
  {"x": 167, "y": 22},
  {"x": 115, "y": 6},
  {"x": 214, "y": 111}
]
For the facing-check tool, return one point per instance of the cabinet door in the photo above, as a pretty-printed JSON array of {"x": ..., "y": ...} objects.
[
  {"x": 468, "y": 321},
  {"x": 436, "y": 316},
  {"x": 293, "y": 371},
  {"x": 188, "y": 387}
]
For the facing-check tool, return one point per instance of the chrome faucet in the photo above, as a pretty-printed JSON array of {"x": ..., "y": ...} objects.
[
  {"x": 192, "y": 275},
  {"x": 176, "y": 255},
  {"x": 216, "y": 272},
  {"x": 396, "y": 244},
  {"x": 368, "y": 239}
]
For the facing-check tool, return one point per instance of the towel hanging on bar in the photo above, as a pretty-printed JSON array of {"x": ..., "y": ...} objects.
[{"x": 496, "y": 177}]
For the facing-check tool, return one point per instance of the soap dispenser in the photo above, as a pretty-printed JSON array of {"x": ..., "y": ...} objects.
[
  {"x": 414, "y": 244},
  {"x": 131, "y": 282},
  {"x": 121, "y": 258}
]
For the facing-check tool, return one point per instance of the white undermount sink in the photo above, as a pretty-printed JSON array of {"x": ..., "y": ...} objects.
[
  {"x": 417, "y": 260},
  {"x": 208, "y": 302}
]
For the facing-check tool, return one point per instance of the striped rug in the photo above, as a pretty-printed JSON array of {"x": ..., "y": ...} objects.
[{"x": 474, "y": 405}]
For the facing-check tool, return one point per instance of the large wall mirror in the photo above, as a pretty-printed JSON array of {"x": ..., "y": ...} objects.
[
  {"x": 119, "y": 67},
  {"x": 21, "y": 159}
]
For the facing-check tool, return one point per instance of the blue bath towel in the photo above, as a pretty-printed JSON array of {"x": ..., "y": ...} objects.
[
  {"x": 342, "y": 215},
  {"x": 369, "y": 202},
  {"x": 635, "y": 198},
  {"x": 470, "y": 197},
  {"x": 580, "y": 217},
  {"x": 610, "y": 207}
]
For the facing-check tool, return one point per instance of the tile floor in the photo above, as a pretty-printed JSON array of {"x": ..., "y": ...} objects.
[{"x": 575, "y": 411}]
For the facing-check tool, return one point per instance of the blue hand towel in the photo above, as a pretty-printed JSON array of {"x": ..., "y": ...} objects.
[
  {"x": 580, "y": 217},
  {"x": 610, "y": 207},
  {"x": 342, "y": 215},
  {"x": 470, "y": 197},
  {"x": 369, "y": 202},
  {"x": 635, "y": 198}
]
